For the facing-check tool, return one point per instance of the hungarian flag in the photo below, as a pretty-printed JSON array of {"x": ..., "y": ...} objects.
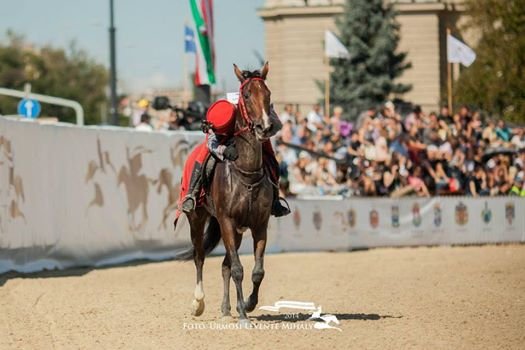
[{"x": 202, "y": 12}]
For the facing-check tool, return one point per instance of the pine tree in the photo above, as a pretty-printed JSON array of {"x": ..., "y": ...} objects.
[{"x": 370, "y": 32}]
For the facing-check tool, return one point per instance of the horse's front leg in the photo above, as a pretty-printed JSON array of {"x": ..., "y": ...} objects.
[
  {"x": 259, "y": 245},
  {"x": 226, "y": 275},
  {"x": 232, "y": 240},
  {"x": 197, "y": 233}
]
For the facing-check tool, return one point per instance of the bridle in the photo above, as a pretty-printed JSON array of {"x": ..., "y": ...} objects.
[
  {"x": 249, "y": 179},
  {"x": 249, "y": 127}
]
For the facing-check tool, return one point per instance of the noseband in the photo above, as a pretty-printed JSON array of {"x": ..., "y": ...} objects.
[{"x": 243, "y": 110}]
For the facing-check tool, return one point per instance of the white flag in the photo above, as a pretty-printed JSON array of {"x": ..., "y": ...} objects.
[
  {"x": 459, "y": 52},
  {"x": 333, "y": 48}
]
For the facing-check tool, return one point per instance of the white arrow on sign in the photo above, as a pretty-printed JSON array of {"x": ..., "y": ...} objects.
[{"x": 29, "y": 108}]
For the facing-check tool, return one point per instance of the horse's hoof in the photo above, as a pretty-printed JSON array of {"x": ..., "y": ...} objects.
[
  {"x": 197, "y": 307},
  {"x": 249, "y": 306},
  {"x": 245, "y": 323},
  {"x": 227, "y": 319},
  {"x": 249, "y": 309}
]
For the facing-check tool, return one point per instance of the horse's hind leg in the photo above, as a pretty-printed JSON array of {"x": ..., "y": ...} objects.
[
  {"x": 226, "y": 275},
  {"x": 259, "y": 245},
  {"x": 197, "y": 223}
]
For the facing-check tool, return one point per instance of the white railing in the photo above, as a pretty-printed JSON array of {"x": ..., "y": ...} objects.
[{"x": 77, "y": 107}]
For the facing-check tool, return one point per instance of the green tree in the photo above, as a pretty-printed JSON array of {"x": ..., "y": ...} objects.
[
  {"x": 495, "y": 82},
  {"x": 369, "y": 30},
  {"x": 51, "y": 71}
]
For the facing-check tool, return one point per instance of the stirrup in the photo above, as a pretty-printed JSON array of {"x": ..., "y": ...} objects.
[
  {"x": 278, "y": 209},
  {"x": 188, "y": 204}
]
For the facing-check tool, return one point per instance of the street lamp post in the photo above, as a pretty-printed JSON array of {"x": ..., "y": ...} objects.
[{"x": 113, "y": 111}]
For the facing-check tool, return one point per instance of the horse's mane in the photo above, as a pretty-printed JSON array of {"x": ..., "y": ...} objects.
[{"x": 247, "y": 74}]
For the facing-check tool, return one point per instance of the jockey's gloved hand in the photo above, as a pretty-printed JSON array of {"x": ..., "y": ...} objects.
[
  {"x": 205, "y": 126},
  {"x": 231, "y": 153}
]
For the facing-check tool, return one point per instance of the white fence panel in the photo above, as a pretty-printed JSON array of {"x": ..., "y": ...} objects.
[{"x": 89, "y": 196}]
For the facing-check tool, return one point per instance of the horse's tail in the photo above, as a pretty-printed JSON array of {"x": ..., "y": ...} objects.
[{"x": 212, "y": 237}]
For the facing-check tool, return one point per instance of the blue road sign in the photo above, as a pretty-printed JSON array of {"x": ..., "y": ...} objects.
[{"x": 29, "y": 108}]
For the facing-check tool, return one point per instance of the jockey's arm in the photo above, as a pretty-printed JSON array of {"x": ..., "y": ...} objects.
[{"x": 214, "y": 145}]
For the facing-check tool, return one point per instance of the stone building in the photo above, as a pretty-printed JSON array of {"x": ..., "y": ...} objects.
[{"x": 294, "y": 32}]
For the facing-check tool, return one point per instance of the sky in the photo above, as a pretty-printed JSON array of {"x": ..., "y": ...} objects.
[{"x": 150, "y": 37}]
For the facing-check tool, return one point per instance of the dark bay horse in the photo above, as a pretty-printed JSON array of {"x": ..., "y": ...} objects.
[{"x": 239, "y": 198}]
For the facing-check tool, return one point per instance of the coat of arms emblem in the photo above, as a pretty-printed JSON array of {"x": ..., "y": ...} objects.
[
  {"x": 318, "y": 219},
  {"x": 486, "y": 213},
  {"x": 416, "y": 215},
  {"x": 297, "y": 218},
  {"x": 461, "y": 214},
  {"x": 350, "y": 216},
  {"x": 374, "y": 218},
  {"x": 509, "y": 212},
  {"x": 437, "y": 215},
  {"x": 395, "y": 216}
]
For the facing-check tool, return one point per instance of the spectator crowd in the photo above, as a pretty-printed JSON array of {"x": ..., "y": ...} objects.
[{"x": 385, "y": 154}]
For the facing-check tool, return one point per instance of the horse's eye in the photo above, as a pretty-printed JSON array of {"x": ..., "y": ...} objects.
[{"x": 246, "y": 95}]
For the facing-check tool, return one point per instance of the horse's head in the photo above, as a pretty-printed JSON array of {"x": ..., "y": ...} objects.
[{"x": 254, "y": 100}]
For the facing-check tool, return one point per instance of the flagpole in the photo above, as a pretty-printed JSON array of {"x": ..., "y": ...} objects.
[
  {"x": 327, "y": 88},
  {"x": 185, "y": 70},
  {"x": 333, "y": 48},
  {"x": 185, "y": 77},
  {"x": 449, "y": 79}
]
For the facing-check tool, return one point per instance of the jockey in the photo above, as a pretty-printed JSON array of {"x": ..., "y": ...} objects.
[{"x": 219, "y": 142}]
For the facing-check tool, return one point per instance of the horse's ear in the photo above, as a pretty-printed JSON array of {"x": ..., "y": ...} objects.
[
  {"x": 265, "y": 69},
  {"x": 238, "y": 73}
]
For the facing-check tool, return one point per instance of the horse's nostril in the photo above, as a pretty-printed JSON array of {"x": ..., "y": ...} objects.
[{"x": 262, "y": 130}]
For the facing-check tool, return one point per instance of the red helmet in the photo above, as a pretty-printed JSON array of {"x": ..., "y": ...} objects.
[{"x": 221, "y": 115}]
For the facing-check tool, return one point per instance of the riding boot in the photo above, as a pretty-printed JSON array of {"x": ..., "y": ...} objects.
[
  {"x": 190, "y": 200},
  {"x": 277, "y": 208}
]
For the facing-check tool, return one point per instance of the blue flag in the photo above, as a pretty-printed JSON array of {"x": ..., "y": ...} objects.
[{"x": 189, "y": 40}]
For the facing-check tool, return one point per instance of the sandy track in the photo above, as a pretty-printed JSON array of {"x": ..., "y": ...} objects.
[{"x": 445, "y": 298}]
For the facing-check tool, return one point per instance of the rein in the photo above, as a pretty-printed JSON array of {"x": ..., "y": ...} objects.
[
  {"x": 248, "y": 174},
  {"x": 241, "y": 175}
]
